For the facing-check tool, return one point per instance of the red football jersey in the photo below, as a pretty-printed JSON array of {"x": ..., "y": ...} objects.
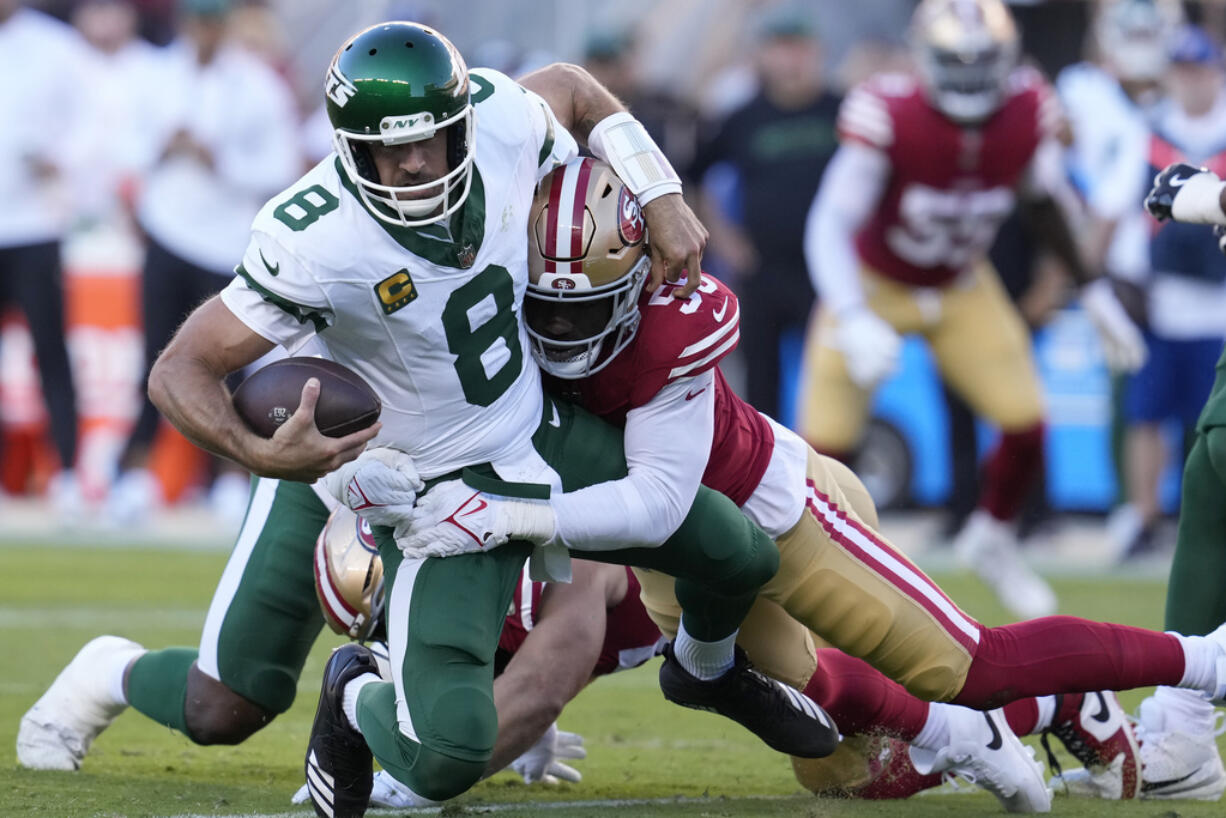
[
  {"x": 950, "y": 186},
  {"x": 630, "y": 637},
  {"x": 680, "y": 339}
]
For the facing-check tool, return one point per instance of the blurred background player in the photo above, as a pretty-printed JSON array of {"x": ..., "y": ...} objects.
[
  {"x": 1109, "y": 100},
  {"x": 1184, "y": 295},
  {"x": 43, "y": 144},
  {"x": 778, "y": 144},
  {"x": 225, "y": 138},
  {"x": 896, "y": 243}
]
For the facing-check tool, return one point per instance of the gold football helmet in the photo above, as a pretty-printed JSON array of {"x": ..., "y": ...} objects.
[
  {"x": 349, "y": 575},
  {"x": 964, "y": 51},
  {"x": 587, "y": 260}
]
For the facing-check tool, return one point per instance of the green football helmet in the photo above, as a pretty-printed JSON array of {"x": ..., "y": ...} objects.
[{"x": 394, "y": 83}]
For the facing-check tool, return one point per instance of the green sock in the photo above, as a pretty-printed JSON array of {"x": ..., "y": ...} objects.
[
  {"x": 157, "y": 685},
  {"x": 1196, "y": 593}
]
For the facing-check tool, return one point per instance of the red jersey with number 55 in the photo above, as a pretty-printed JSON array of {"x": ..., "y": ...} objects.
[
  {"x": 950, "y": 186},
  {"x": 680, "y": 339}
]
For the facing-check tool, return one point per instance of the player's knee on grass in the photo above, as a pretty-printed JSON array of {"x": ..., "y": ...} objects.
[
  {"x": 215, "y": 714},
  {"x": 439, "y": 776}
]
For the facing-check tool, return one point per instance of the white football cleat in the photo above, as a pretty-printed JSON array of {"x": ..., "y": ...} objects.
[
  {"x": 1179, "y": 758},
  {"x": 1101, "y": 737},
  {"x": 982, "y": 749},
  {"x": 989, "y": 547},
  {"x": 55, "y": 734}
]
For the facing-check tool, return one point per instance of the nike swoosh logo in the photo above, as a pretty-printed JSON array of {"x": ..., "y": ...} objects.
[
  {"x": 271, "y": 269},
  {"x": 718, "y": 315},
  {"x": 1150, "y": 786},
  {"x": 692, "y": 395},
  {"x": 997, "y": 742},
  {"x": 555, "y": 422},
  {"x": 1179, "y": 181},
  {"x": 481, "y": 505},
  {"x": 1103, "y": 715}
]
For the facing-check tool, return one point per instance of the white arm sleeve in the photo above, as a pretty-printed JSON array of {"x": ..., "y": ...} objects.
[
  {"x": 668, "y": 441},
  {"x": 851, "y": 188}
]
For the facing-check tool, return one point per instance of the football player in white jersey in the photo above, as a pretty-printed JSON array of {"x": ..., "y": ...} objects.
[{"x": 406, "y": 254}]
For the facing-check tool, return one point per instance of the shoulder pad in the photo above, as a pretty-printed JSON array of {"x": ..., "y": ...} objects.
[
  {"x": 683, "y": 338},
  {"x": 1027, "y": 85},
  {"x": 868, "y": 112}
]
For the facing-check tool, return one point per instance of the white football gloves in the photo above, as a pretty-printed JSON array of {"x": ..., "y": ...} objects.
[
  {"x": 1123, "y": 345},
  {"x": 454, "y": 518},
  {"x": 381, "y": 485},
  {"x": 1186, "y": 193},
  {"x": 870, "y": 346},
  {"x": 387, "y": 792},
  {"x": 541, "y": 762}
]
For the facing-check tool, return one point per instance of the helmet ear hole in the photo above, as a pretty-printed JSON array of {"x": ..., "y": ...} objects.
[
  {"x": 364, "y": 161},
  {"x": 457, "y": 144}
]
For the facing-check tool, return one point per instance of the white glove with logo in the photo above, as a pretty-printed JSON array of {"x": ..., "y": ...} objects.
[
  {"x": 870, "y": 346},
  {"x": 540, "y": 762},
  {"x": 1123, "y": 345},
  {"x": 454, "y": 518},
  {"x": 381, "y": 485},
  {"x": 386, "y": 792},
  {"x": 1186, "y": 193}
]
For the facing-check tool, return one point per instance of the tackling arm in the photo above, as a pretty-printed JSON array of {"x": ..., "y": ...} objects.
[
  {"x": 596, "y": 117},
  {"x": 556, "y": 658},
  {"x": 186, "y": 384}
]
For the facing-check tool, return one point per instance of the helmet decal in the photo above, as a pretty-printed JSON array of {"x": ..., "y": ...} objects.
[{"x": 631, "y": 227}]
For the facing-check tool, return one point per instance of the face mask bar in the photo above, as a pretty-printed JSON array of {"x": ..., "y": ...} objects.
[{"x": 382, "y": 200}]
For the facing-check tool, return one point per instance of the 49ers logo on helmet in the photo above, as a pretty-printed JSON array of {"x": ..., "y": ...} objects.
[
  {"x": 366, "y": 537},
  {"x": 560, "y": 283},
  {"x": 630, "y": 224}
]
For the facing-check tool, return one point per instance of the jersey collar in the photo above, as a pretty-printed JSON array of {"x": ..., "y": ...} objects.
[{"x": 457, "y": 249}]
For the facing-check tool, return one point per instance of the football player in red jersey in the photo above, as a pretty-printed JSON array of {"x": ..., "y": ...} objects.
[
  {"x": 652, "y": 364},
  {"x": 897, "y": 240}
]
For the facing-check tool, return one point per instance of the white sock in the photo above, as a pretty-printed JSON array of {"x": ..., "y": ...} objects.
[
  {"x": 1047, "y": 712},
  {"x": 1190, "y": 707},
  {"x": 704, "y": 660},
  {"x": 349, "y": 697},
  {"x": 113, "y": 671},
  {"x": 1200, "y": 662},
  {"x": 935, "y": 734}
]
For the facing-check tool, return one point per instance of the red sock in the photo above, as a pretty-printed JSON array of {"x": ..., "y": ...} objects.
[
  {"x": 1011, "y": 471},
  {"x": 1064, "y": 654},
  {"x": 1023, "y": 716},
  {"x": 860, "y": 699}
]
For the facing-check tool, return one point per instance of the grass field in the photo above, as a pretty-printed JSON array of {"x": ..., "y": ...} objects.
[{"x": 657, "y": 759}]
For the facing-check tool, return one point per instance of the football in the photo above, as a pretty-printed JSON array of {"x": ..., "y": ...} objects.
[{"x": 268, "y": 397}]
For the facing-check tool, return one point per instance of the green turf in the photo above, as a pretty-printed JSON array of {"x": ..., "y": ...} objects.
[{"x": 52, "y": 600}]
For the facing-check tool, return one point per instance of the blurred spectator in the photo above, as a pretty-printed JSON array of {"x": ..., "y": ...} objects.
[
  {"x": 1109, "y": 100},
  {"x": 121, "y": 79},
  {"x": 1186, "y": 292},
  {"x": 612, "y": 59},
  {"x": 41, "y": 154},
  {"x": 226, "y": 140},
  {"x": 779, "y": 143}
]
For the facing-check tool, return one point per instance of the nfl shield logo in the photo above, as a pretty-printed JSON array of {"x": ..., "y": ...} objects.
[{"x": 466, "y": 256}]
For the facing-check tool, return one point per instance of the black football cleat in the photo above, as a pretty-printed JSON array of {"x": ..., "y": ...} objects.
[
  {"x": 783, "y": 717},
  {"x": 339, "y": 765}
]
